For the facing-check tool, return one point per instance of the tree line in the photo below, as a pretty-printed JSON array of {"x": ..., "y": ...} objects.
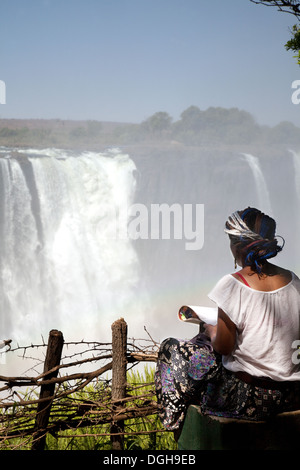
[
  {"x": 215, "y": 125},
  {"x": 196, "y": 127}
]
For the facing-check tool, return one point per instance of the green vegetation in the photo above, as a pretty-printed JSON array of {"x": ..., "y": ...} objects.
[
  {"x": 140, "y": 432},
  {"x": 292, "y": 7},
  {"x": 144, "y": 433},
  {"x": 196, "y": 127},
  {"x": 294, "y": 43}
]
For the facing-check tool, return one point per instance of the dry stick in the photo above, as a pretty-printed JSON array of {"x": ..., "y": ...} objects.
[
  {"x": 114, "y": 413},
  {"x": 89, "y": 376},
  {"x": 27, "y": 381},
  {"x": 20, "y": 381},
  {"x": 53, "y": 357}
]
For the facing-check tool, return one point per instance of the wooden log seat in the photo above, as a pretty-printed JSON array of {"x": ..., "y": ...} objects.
[{"x": 204, "y": 432}]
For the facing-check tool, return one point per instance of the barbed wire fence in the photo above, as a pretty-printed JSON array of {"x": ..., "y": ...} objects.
[{"x": 59, "y": 398}]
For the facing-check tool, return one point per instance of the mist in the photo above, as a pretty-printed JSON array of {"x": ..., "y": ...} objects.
[{"x": 62, "y": 265}]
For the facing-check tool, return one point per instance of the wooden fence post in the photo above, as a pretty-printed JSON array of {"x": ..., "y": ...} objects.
[
  {"x": 118, "y": 391},
  {"x": 53, "y": 357}
]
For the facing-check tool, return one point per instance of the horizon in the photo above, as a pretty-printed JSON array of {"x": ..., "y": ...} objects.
[
  {"x": 78, "y": 120},
  {"x": 122, "y": 61}
]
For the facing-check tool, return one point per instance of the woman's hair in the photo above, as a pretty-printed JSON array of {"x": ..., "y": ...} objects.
[{"x": 253, "y": 235}]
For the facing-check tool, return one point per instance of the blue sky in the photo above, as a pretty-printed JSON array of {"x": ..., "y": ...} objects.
[{"x": 123, "y": 60}]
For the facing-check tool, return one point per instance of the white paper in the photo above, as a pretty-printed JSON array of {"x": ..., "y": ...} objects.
[{"x": 207, "y": 315}]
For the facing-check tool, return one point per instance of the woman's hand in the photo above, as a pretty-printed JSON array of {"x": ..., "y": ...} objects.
[
  {"x": 210, "y": 331},
  {"x": 222, "y": 335}
]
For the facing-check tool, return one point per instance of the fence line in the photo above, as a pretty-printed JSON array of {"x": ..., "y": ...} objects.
[{"x": 64, "y": 403}]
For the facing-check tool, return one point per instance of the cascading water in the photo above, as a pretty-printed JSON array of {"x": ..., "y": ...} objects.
[
  {"x": 264, "y": 202},
  {"x": 62, "y": 263},
  {"x": 296, "y": 170},
  {"x": 65, "y": 264},
  {"x": 296, "y": 161}
]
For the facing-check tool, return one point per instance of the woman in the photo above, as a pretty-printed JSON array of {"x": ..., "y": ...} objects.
[{"x": 243, "y": 367}]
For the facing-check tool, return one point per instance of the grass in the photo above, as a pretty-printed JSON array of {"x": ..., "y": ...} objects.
[{"x": 144, "y": 433}]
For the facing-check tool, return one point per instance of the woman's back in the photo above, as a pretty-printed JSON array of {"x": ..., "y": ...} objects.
[
  {"x": 267, "y": 322},
  {"x": 256, "y": 371},
  {"x": 272, "y": 277}
]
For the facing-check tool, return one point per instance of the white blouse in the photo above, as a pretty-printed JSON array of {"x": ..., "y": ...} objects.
[{"x": 268, "y": 327}]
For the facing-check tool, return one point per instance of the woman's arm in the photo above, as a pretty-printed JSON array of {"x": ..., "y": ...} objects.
[{"x": 222, "y": 335}]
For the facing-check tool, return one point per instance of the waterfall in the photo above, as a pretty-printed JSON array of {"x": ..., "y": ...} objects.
[
  {"x": 296, "y": 168},
  {"x": 296, "y": 161},
  {"x": 61, "y": 264},
  {"x": 264, "y": 203}
]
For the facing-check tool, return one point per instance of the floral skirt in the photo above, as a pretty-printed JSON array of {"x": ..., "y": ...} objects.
[{"x": 190, "y": 372}]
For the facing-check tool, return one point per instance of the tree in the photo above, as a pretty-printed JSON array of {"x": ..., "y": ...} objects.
[
  {"x": 294, "y": 43},
  {"x": 287, "y": 6},
  {"x": 285, "y": 132},
  {"x": 157, "y": 123},
  {"x": 191, "y": 118},
  {"x": 215, "y": 124}
]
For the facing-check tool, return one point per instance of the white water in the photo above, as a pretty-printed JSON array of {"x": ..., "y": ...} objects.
[
  {"x": 264, "y": 203},
  {"x": 296, "y": 161},
  {"x": 61, "y": 264}
]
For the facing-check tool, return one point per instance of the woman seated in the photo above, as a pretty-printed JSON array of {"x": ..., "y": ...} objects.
[{"x": 244, "y": 367}]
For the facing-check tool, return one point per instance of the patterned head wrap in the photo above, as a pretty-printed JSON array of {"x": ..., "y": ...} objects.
[
  {"x": 236, "y": 227},
  {"x": 258, "y": 245}
]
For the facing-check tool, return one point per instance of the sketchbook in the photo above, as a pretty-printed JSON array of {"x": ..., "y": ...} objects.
[{"x": 197, "y": 314}]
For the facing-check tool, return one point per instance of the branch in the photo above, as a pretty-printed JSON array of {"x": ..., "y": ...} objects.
[
  {"x": 74, "y": 405},
  {"x": 89, "y": 376},
  {"x": 292, "y": 7}
]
